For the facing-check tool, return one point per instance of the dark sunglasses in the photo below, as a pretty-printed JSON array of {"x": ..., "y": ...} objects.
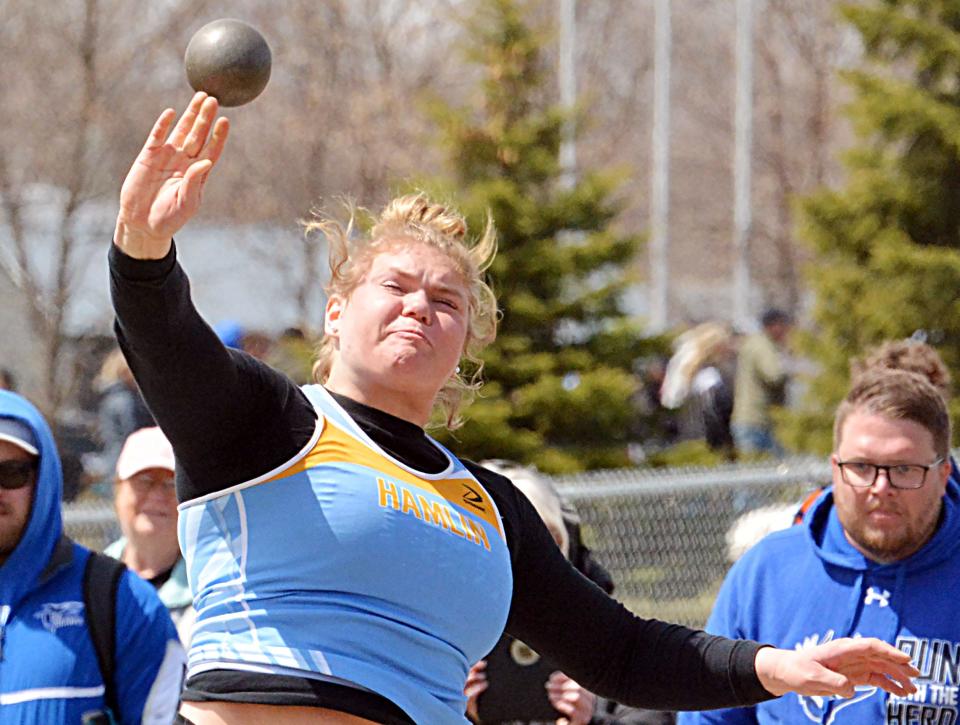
[{"x": 17, "y": 474}]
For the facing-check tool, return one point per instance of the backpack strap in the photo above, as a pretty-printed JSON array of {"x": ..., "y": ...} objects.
[
  {"x": 101, "y": 578},
  {"x": 807, "y": 505}
]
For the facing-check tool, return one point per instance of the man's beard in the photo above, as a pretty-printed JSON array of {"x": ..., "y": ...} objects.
[{"x": 886, "y": 546}]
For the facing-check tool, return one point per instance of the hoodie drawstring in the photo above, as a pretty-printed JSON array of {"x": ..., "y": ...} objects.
[{"x": 4, "y": 617}]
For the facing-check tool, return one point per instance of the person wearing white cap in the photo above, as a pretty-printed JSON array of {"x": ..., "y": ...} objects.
[{"x": 146, "y": 505}]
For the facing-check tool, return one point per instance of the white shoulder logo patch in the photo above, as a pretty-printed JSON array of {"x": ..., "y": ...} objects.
[{"x": 54, "y": 615}]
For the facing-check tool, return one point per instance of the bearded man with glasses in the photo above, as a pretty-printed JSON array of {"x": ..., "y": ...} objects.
[{"x": 878, "y": 555}]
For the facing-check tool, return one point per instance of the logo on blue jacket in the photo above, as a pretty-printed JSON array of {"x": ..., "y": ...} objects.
[{"x": 55, "y": 615}]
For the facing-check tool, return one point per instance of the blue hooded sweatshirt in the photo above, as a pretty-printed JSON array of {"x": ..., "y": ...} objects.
[
  {"x": 48, "y": 665},
  {"x": 807, "y": 585}
]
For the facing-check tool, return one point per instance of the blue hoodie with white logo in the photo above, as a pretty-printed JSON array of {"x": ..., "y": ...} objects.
[
  {"x": 807, "y": 585},
  {"x": 48, "y": 666}
]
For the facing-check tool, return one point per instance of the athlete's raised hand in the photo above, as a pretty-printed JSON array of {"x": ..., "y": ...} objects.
[
  {"x": 836, "y": 668},
  {"x": 164, "y": 187}
]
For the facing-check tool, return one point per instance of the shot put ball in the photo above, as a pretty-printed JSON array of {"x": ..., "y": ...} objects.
[{"x": 229, "y": 60}]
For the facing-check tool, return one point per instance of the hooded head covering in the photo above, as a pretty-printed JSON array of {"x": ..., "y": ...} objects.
[{"x": 19, "y": 573}]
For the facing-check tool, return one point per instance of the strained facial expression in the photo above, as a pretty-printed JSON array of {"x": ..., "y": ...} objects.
[
  {"x": 405, "y": 323},
  {"x": 146, "y": 504},
  {"x": 882, "y": 521},
  {"x": 18, "y": 471}
]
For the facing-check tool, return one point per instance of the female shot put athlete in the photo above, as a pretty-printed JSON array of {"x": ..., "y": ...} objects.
[{"x": 346, "y": 568}]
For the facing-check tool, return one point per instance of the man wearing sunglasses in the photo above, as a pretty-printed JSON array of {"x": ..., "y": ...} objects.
[
  {"x": 877, "y": 555},
  {"x": 49, "y": 668}
]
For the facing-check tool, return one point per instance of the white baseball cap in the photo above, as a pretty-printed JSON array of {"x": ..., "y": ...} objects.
[
  {"x": 20, "y": 434},
  {"x": 143, "y": 449}
]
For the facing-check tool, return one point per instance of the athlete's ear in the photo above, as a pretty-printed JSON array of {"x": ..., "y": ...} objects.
[{"x": 331, "y": 316}]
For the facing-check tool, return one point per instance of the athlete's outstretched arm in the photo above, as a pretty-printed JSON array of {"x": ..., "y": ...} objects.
[
  {"x": 662, "y": 666},
  {"x": 230, "y": 417}
]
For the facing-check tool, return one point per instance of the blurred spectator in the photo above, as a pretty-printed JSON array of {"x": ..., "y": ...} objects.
[
  {"x": 121, "y": 411},
  {"x": 230, "y": 333},
  {"x": 257, "y": 343},
  {"x": 574, "y": 704},
  {"x": 80, "y": 458},
  {"x": 699, "y": 379},
  {"x": 253, "y": 342},
  {"x": 146, "y": 505},
  {"x": 761, "y": 382},
  {"x": 51, "y": 671},
  {"x": 912, "y": 355},
  {"x": 8, "y": 380},
  {"x": 293, "y": 355},
  {"x": 654, "y": 426}
]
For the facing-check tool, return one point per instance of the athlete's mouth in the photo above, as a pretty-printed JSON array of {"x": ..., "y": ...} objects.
[{"x": 411, "y": 334}]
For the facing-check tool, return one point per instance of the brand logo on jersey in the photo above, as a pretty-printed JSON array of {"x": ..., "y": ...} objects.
[
  {"x": 875, "y": 595},
  {"x": 55, "y": 615},
  {"x": 472, "y": 498}
]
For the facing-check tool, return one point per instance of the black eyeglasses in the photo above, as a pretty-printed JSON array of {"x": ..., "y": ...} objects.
[
  {"x": 861, "y": 474},
  {"x": 17, "y": 474}
]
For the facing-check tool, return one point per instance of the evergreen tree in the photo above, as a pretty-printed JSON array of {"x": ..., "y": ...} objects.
[
  {"x": 559, "y": 377},
  {"x": 887, "y": 243}
]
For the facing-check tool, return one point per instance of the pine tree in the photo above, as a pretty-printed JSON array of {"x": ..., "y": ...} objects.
[
  {"x": 887, "y": 244},
  {"x": 559, "y": 377}
]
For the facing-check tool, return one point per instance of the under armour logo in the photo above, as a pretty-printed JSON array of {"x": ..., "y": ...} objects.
[{"x": 877, "y": 596}]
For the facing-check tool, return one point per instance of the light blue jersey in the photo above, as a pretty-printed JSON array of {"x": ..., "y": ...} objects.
[{"x": 346, "y": 565}]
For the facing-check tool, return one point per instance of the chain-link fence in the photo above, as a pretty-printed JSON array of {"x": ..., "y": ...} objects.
[
  {"x": 92, "y": 523},
  {"x": 666, "y": 535}
]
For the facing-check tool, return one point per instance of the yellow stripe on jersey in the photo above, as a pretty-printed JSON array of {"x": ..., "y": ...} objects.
[{"x": 337, "y": 446}]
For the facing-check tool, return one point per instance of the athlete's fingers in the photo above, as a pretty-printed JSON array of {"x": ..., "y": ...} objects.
[
  {"x": 185, "y": 124},
  {"x": 197, "y": 137},
  {"x": 218, "y": 139},
  {"x": 193, "y": 180},
  {"x": 161, "y": 128}
]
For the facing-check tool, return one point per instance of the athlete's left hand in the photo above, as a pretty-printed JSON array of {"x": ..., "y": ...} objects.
[
  {"x": 575, "y": 703},
  {"x": 836, "y": 668}
]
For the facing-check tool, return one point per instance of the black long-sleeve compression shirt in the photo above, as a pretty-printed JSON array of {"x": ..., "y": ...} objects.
[{"x": 230, "y": 418}]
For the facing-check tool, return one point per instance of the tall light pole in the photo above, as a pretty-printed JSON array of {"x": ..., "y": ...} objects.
[
  {"x": 743, "y": 140},
  {"x": 568, "y": 91},
  {"x": 660, "y": 186}
]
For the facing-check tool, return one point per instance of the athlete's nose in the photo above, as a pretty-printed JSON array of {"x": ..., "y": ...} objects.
[{"x": 416, "y": 305}]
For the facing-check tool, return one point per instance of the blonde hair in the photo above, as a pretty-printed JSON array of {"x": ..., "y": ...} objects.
[
  {"x": 406, "y": 219},
  {"x": 541, "y": 493}
]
